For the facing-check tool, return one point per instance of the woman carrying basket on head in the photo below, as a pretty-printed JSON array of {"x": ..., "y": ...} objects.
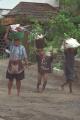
[
  {"x": 15, "y": 68},
  {"x": 70, "y": 50}
]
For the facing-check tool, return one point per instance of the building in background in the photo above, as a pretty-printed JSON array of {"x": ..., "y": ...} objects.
[
  {"x": 54, "y": 3},
  {"x": 41, "y": 11},
  {"x": 4, "y": 12}
]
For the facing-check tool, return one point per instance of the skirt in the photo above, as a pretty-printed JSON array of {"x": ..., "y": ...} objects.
[{"x": 69, "y": 73}]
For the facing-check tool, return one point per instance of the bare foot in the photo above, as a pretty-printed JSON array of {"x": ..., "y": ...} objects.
[
  {"x": 38, "y": 91},
  {"x": 9, "y": 92}
]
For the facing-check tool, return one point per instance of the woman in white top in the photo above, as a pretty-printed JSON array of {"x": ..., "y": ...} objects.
[{"x": 15, "y": 68}]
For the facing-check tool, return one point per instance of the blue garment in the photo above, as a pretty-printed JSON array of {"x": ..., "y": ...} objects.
[{"x": 17, "y": 52}]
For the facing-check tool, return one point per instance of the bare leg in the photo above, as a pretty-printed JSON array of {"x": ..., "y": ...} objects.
[
  {"x": 65, "y": 83},
  {"x": 44, "y": 82},
  {"x": 39, "y": 81},
  {"x": 69, "y": 82},
  {"x": 70, "y": 86},
  {"x": 18, "y": 86},
  {"x": 10, "y": 84}
]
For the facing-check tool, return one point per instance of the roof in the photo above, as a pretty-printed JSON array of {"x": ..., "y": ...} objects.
[
  {"x": 34, "y": 9},
  {"x": 4, "y": 9}
]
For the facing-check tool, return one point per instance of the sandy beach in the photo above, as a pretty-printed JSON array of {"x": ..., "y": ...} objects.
[{"x": 52, "y": 104}]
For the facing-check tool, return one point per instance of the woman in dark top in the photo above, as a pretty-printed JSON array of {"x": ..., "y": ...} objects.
[
  {"x": 69, "y": 57},
  {"x": 44, "y": 67}
]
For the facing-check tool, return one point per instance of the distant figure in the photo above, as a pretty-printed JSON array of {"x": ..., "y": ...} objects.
[
  {"x": 15, "y": 68},
  {"x": 69, "y": 55},
  {"x": 44, "y": 67}
]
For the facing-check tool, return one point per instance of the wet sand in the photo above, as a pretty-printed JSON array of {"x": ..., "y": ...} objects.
[{"x": 52, "y": 104}]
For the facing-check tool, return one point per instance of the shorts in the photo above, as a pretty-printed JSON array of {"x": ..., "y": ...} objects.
[{"x": 19, "y": 76}]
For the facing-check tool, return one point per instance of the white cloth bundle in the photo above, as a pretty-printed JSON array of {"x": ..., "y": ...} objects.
[
  {"x": 70, "y": 43},
  {"x": 48, "y": 53},
  {"x": 39, "y": 36},
  {"x": 13, "y": 27}
]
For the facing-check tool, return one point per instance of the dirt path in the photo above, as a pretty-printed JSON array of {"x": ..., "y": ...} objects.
[{"x": 53, "y": 104}]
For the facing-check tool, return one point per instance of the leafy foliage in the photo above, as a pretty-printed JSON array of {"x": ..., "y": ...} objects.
[{"x": 57, "y": 27}]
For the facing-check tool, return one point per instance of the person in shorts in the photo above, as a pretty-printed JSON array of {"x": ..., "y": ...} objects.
[{"x": 15, "y": 68}]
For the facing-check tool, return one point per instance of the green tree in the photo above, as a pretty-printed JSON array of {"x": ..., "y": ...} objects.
[
  {"x": 72, "y": 6},
  {"x": 57, "y": 27}
]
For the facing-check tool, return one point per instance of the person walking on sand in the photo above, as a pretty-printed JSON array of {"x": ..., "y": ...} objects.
[
  {"x": 69, "y": 67},
  {"x": 15, "y": 68},
  {"x": 70, "y": 50},
  {"x": 44, "y": 67}
]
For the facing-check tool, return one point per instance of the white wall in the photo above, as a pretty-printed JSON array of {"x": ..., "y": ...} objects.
[{"x": 3, "y": 12}]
